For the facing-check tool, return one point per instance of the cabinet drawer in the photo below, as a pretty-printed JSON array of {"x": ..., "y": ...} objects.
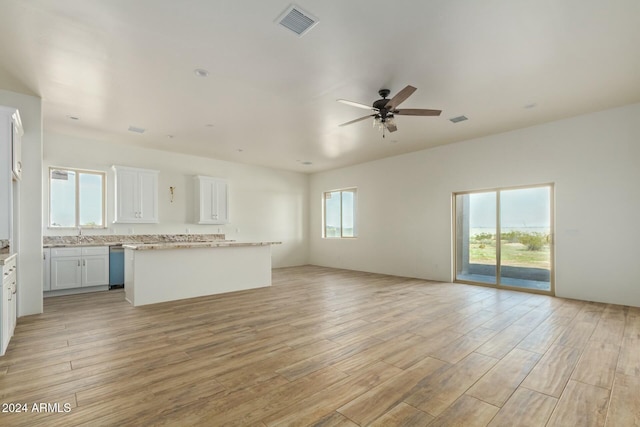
[
  {"x": 9, "y": 267},
  {"x": 58, "y": 252},
  {"x": 10, "y": 281},
  {"x": 95, "y": 250}
]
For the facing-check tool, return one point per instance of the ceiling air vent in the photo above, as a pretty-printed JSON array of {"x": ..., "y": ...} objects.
[
  {"x": 136, "y": 129},
  {"x": 458, "y": 119},
  {"x": 297, "y": 20}
]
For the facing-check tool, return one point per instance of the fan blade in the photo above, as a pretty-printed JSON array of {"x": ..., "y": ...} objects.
[
  {"x": 400, "y": 97},
  {"x": 357, "y": 104},
  {"x": 417, "y": 112},
  {"x": 356, "y": 120},
  {"x": 392, "y": 128}
]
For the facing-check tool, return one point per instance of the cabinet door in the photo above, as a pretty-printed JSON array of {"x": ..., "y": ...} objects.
[
  {"x": 221, "y": 205},
  {"x": 6, "y": 197},
  {"x": 206, "y": 208},
  {"x": 136, "y": 195},
  {"x": 6, "y": 301},
  {"x": 148, "y": 195},
  {"x": 13, "y": 306},
  {"x": 127, "y": 200},
  {"x": 66, "y": 273},
  {"x": 95, "y": 270},
  {"x": 46, "y": 269},
  {"x": 213, "y": 205},
  {"x": 16, "y": 147}
]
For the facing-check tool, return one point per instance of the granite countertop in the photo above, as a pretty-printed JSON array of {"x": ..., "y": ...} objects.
[
  {"x": 5, "y": 257},
  {"x": 119, "y": 240},
  {"x": 191, "y": 245},
  {"x": 73, "y": 245}
]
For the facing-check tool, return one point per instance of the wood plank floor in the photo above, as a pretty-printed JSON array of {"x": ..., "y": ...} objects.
[{"x": 327, "y": 347}]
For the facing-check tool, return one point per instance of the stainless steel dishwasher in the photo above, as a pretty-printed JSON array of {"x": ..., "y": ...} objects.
[{"x": 116, "y": 267}]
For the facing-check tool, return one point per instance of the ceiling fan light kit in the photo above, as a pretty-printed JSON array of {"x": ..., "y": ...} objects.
[{"x": 385, "y": 109}]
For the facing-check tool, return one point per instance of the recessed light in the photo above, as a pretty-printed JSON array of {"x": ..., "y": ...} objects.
[
  {"x": 73, "y": 118},
  {"x": 200, "y": 72},
  {"x": 307, "y": 163}
]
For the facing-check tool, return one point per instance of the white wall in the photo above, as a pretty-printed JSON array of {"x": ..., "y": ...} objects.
[
  {"x": 30, "y": 203},
  {"x": 265, "y": 204},
  {"x": 405, "y": 203}
]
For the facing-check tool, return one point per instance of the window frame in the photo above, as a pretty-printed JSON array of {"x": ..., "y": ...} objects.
[
  {"x": 77, "y": 171},
  {"x": 353, "y": 190}
]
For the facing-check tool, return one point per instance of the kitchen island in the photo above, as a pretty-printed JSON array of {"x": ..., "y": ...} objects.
[{"x": 159, "y": 272}]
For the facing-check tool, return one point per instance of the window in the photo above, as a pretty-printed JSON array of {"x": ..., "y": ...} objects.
[
  {"x": 340, "y": 213},
  {"x": 504, "y": 237},
  {"x": 76, "y": 198}
]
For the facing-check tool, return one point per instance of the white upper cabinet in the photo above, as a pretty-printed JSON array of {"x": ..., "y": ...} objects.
[
  {"x": 136, "y": 195},
  {"x": 212, "y": 200},
  {"x": 10, "y": 133},
  {"x": 16, "y": 145}
]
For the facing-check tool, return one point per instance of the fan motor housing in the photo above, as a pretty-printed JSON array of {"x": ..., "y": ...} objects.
[{"x": 381, "y": 103}]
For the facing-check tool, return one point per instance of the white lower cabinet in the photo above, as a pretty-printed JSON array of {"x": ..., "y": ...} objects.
[
  {"x": 95, "y": 270},
  {"x": 8, "y": 293},
  {"x": 46, "y": 269},
  {"x": 79, "y": 267},
  {"x": 66, "y": 272}
]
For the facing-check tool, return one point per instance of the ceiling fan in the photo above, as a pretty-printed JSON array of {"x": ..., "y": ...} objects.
[{"x": 385, "y": 109}]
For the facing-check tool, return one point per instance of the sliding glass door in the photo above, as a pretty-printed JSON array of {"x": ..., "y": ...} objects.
[
  {"x": 477, "y": 228},
  {"x": 503, "y": 237}
]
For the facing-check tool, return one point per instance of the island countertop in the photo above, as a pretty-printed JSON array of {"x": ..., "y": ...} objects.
[
  {"x": 169, "y": 271},
  {"x": 190, "y": 245}
]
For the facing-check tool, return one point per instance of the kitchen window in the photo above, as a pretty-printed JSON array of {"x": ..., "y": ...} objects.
[
  {"x": 76, "y": 198},
  {"x": 340, "y": 213}
]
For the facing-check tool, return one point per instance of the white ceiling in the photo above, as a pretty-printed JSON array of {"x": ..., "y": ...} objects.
[{"x": 271, "y": 96}]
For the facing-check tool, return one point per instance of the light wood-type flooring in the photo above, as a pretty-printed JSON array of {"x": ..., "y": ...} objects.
[{"x": 327, "y": 347}]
